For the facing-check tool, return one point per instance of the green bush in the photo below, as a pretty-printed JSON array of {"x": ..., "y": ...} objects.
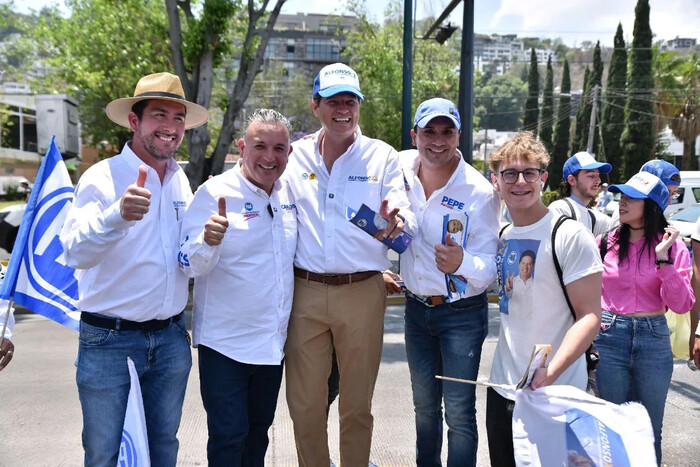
[
  {"x": 13, "y": 191},
  {"x": 549, "y": 196}
]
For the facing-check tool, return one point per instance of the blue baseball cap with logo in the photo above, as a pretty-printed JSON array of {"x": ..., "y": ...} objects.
[
  {"x": 667, "y": 172},
  {"x": 584, "y": 161},
  {"x": 437, "y": 107},
  {"x": 644, "y": 185},
  {"x": 335, "y": 79}
]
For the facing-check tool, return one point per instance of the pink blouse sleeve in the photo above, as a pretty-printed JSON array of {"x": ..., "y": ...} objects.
[{"x": 676, "y": 292}]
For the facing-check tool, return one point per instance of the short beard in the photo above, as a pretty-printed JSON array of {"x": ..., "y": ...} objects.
[{"x": 150, "y": 146}]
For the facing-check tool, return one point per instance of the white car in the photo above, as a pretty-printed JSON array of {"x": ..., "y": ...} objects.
[{"x": 685, "y": 220}]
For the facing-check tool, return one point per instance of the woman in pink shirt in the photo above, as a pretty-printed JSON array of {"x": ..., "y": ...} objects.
[{"x": 646, "y": 271}]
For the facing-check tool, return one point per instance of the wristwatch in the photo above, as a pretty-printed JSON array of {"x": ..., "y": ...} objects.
[{"x": 663, "y": 261}]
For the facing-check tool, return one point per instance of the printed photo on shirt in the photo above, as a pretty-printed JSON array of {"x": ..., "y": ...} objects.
[{"x": 516, "y": 273}]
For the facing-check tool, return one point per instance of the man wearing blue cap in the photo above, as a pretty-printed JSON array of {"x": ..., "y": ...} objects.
[
  {"x": 580, "y": 185},
  {"x": 457, "y": 212},
  {"x": 339, "y": 292}
]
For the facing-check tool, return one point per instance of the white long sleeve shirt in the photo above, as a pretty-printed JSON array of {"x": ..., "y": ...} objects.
[
  {"x": 367, "y": 172},
  {"x": 466, "y": 192},
  {"x": 127, "y": 269},
  {"x": 244, "y": 286}
]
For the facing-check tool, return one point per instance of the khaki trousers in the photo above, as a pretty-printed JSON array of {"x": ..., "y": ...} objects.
[{"x": 351, "y": 319}]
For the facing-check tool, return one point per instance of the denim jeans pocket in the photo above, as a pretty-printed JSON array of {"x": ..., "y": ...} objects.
[
  {"x": 94, "y": 336},
  {"x": 659, "y": 328}
]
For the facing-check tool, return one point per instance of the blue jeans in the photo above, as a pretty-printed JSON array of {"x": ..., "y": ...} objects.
[
  {"x": 240, "y": 400},
  {"x": 636, "y": 364},
  {"x": 445, "y": 340},
  {"x": 162, "y": 360}
]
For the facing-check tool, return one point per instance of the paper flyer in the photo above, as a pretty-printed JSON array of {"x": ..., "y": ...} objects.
[
  {"x": 372, "y": 223},
  {"x": 456, "y": 224},
  {"x": 537, "y": 360}
]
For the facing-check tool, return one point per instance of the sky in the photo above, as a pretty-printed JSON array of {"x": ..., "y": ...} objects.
[{"x": 574, "y": 21}]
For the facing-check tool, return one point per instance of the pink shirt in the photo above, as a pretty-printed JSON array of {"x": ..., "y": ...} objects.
[{"x": 638, "y": 285}]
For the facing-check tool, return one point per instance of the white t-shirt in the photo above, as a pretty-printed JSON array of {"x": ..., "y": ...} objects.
[
  {"x": 548, "y": 319},
  {"x": 603, "y": 223}
]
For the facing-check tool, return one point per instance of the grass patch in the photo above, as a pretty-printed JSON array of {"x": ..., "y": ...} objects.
[{"x": 4, "y": 204}]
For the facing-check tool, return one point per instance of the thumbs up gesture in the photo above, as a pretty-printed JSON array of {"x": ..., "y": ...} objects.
[
  {"x": 448, "y": 257},
  {"x": 136, "y": 199},
  {"x": 216, "y": 226}
]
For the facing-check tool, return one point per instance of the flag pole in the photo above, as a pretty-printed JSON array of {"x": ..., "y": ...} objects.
[{"x": 480, "y": 383}]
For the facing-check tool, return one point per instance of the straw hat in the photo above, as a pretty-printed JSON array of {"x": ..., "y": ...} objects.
[{"x": 162, "y": 86}]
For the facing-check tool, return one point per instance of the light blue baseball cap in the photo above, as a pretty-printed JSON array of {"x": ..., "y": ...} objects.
[
  {"x": 584, "y": 161},
  {"x": 437, "y": 107},
  {"x": 667, "y": 172}
]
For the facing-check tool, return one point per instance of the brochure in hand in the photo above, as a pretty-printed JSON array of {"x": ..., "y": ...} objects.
[
  {"x": 372, "y": 223},
  {"x": 456, "y": 225},
  {"x": 538, "y": 358}
]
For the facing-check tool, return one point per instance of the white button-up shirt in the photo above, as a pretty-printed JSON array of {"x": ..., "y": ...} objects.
[
  {"x": 467, "y": 192},
  {"x": 367, "y": 172},
  {"x": 244, "y": 286},
  {"x": 127, "y": 269}
]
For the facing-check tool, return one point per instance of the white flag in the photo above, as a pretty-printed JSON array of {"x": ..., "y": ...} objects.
[
  {"x": 133, "y": 451},
  {"x": 562, "y": 425}
]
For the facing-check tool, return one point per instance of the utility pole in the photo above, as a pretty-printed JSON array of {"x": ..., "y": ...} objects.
[
  {"x": 486, "y": 143},
  {"x": 591, "y": 126},
  {"x": 407, "y": 95},
  {"x": 466, "y": 81}
]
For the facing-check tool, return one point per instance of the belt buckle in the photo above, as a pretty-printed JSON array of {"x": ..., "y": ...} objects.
[{"x": 328, "y": 277}]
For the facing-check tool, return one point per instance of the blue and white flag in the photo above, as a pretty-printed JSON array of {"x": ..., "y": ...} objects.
[
  {"x": 37, "y": 276},
  {"x": 133, "y": 451},
  {"x": 563, "y": 425}
]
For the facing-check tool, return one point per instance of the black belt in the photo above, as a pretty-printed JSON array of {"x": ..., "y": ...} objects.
[
  {"x": 119, "y": 324},
  {"x": 428, "y": 300},
  {"x": 334, "y": 279}
]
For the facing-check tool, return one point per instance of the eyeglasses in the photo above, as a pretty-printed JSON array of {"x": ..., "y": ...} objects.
[{"x": 511, "y": 176}]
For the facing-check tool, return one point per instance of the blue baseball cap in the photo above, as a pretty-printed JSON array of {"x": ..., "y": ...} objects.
[
  {"x": 667, "y": 172},
  {"x": 335, "y": 79},
  {"x": 584, "y": 161},
  {"x": 644, "y": 185},
  {"x": 437, "y": 107}
]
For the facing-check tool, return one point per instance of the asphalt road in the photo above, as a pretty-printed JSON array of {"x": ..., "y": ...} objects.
[{"x": 40, "y": 421}]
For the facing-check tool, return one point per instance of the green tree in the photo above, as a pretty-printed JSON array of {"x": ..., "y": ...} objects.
[
  {"x": 638, "y": 135},
  {"x": 613, "y": 120},
  {"x": 199, "y": 48},
  {"x": 677, "y": 81},
  {"x": 533, "y": 92},
  {"x": 376, "y": 54},
  {"x": 560, "y": 145},
  {"x": 547, "y": 116},
  {"x": 499, "y": 103},
  {"x": 99, "y": 53}
]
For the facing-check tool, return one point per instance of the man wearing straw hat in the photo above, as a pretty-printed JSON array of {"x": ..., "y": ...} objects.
[{"x": 122, "y": 235}]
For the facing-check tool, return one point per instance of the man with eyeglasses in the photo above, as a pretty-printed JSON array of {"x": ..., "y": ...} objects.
[
  {"x": 519, "y": 173},
  {"x": 579, "y": 187},
  {"x": 457, "y": 211},
  {"x": 238, "y": 240}
]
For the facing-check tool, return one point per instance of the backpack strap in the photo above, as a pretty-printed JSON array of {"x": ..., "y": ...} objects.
[
  {"x": 557, "y": 265},
  {"x": 571, "y": 208},
  {"x": 603, "y": 247},
  {"x": 590, "y": 213},
  {"x": 503, "y": 229}
]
